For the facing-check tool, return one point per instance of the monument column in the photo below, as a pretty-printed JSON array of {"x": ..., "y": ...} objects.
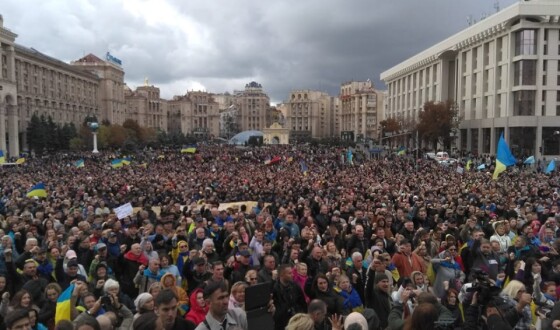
[
  {"x": 3, "y": 127},
  {"x": 13, "y": 130}
]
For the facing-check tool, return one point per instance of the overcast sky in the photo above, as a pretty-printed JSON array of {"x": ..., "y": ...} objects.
[{"x": 220, "y": 45}]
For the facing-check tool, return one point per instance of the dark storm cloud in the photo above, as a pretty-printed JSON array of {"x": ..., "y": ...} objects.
[{"x": 221, "y": 45}]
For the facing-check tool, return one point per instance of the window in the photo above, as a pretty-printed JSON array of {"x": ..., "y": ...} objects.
[
  {"x": 524, "y": 103},
  {"x": 525, "y": 72},
  {"x": 526, "y": 42}
]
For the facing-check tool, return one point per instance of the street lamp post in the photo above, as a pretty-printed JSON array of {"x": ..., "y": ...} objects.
[{"x": 94, "y": 126}]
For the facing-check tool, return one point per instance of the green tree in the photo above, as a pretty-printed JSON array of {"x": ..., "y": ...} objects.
[
  {"x": 436, "y": 122},
  {"x": 35, "y": 139}
]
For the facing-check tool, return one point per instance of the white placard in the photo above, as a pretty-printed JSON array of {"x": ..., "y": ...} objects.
[{"x": 123, "y": 211}]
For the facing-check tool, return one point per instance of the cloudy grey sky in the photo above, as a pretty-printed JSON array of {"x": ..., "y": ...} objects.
[{"x": 220, "y": 45}]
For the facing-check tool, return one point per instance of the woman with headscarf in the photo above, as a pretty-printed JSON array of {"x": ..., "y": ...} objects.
[
  {"x": 199, "y": 309},
  {"x": 144, "y": 303},
  {"x": 168, "y": 281}
]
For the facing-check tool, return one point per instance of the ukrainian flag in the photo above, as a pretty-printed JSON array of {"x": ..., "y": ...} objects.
[
  {"x": 401, "y": 151},
  {"x": 504, "y": 158},
  {"x": 304, "y": 168},
  {"x": 63, "y": 310},
  {"x": 126, "y": 160},
  {"x": 80, "y": 163},
  {"x": 190, "y": 150},
  {"x": 2, "y": 158},
  {"x": 38, "y": 190},
  {"x": 116, "y": 163}
]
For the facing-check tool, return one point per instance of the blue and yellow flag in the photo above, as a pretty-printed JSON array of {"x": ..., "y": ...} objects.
[
  {"x": 126, "y": 160},
  {"x": 63, "y": 310},
  {"x": 304, "y": 168},
  {"x": 80, "y": 163},
  {"x": 38, "y": 190},
  {"x": 401, "y": 151},
  {"x": 190, "y": 150},
  {"x": 20, "y": 161},
  {"x": 2, "y": 158},
  {"x": 504, "y": 158},
  {"x": 116, "y": 163}
]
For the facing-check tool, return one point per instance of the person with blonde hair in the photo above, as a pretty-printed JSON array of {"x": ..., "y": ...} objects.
[
  {"x": 301, "y": 321},
  {"x": 516, "y": 296},
  {"x": 237, "y": 296}
]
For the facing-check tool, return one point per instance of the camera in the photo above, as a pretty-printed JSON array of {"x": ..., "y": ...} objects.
[
  {"x": 106, "y": 300},
  {"x": 487, "y": 292}
]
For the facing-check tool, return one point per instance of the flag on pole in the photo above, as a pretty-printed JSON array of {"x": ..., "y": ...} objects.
[
  {"x": 529, "y": 160},
  {"x": 80, "y": 163},
  {"x": 63, "y": 308},
  {"x": 2, "y": 158},
  {"x": 304, "y": 168},
  {"x": 551, "y": 167},
  {"x": 504, "y": 158},
  {"x": 37, "y": 190}
]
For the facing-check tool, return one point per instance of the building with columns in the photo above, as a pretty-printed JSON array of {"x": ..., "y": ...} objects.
[
  {"x": 361, "y": 110},
  {"x": 252, "y": 104},
  {"x": 309, "y": 114},
  {"x": 146, "y": 107},
  {"x": 503, "y": 73},
  {"x": 197, "y": 112},
  {"x": 9, "y": 121},
  {"x": 111, "y": 85}
]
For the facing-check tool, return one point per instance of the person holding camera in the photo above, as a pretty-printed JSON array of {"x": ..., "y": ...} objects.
[{"x": 116, "y": 315}]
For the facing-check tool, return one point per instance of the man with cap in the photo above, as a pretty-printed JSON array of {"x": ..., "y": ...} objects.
[
  {"x": 44, "y": 266},
  {"x": 28, "y": 279},
  {"x": 113, "y": 244},
  {"x": 196, "y": 272},
  {"x": 64, "y": 278},
  {"x": 241, "y": 266},
  {"x": 379, "y": 298}
]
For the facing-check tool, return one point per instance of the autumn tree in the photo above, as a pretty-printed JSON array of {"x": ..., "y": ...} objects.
[
  {"x": 390, "y": 125},
  {"x": 437, "y": 121}
]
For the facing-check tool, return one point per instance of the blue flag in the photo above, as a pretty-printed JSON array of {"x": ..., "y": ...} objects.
[
  {"x": 481, "y": 167},
  {"x": 529, "y": 160},
  {"x": 551, "y": 167}
]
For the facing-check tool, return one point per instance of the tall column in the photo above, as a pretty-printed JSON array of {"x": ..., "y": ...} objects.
[
  {"x": 493, "y": 140},
  {"x": 11, "y": 57},
  {"x": 13, "y": 130},
  {"x": 3, "y": 127}
]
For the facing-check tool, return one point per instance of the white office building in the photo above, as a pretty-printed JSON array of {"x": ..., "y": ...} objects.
[{"x": 503, "y": 74}]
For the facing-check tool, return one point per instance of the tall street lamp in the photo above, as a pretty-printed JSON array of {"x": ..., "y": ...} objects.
[{"x": 94, "y": 126}]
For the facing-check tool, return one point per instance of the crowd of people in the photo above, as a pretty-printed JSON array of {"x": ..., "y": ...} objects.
[{"x": 390, "y": 243}]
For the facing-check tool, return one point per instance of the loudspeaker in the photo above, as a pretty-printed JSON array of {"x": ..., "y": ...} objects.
[{"x": 260, "y": 319}]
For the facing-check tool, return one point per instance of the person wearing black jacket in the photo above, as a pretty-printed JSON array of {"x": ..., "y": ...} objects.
[
  {"x": 379, "y": 300},
  {"x": 28, "y": 279},
  {"x": 287, "y": 296},
  {"x": 321, "y": 289}
]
